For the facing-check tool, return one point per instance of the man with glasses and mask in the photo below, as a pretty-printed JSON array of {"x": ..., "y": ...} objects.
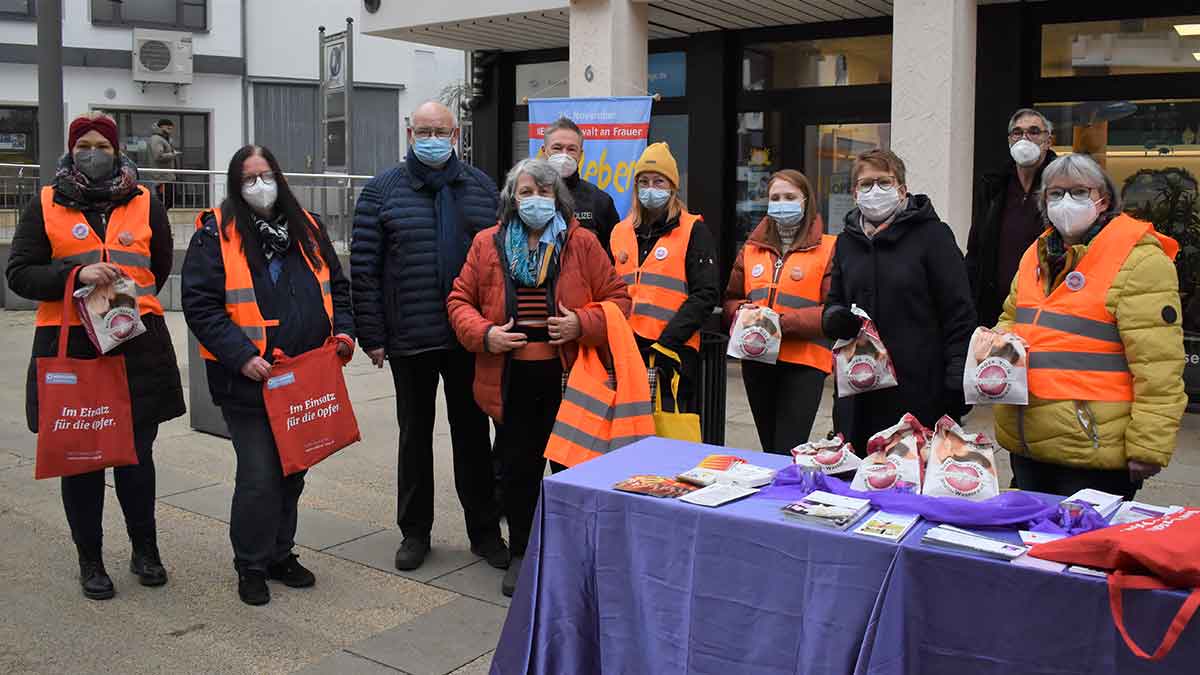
[
  {"x": 594, "y": 208},
  {"x": 413, "y": 226},
  {"x": 1007, "y": 220},
  {"x": 900, "y": 263}
]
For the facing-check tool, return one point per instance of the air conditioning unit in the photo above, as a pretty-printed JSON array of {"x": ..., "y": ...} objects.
[{"x": 162, "y": 56}]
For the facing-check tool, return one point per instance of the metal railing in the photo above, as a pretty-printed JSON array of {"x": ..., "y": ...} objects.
[{"x": 189, "y": 191}]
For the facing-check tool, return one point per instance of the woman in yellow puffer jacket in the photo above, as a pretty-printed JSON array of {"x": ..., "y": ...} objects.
[{"x": 1096, "y": 298}]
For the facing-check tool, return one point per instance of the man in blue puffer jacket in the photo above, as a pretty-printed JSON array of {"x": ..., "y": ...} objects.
[{"x": 413, "y": 226}]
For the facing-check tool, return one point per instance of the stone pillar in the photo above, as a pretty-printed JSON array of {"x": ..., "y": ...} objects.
[
  {"x": 933, "y": 103},
  {"x": 608, "y": 48}
]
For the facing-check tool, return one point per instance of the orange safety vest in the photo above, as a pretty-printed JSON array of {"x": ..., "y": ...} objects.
[
  {"x": 659, "y": 285},
  {"x": 126, "y": 244},
  {"x": 800, "y": 288},
  {"x": 594, "y": 418},
  {"x": 1075, "y": 347},
  {"x": 240, "y": 301}
]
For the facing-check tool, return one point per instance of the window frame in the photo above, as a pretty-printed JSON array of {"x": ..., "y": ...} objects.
[
  {"x": 120, "y": 22},
  {"x": 28, "y": 15}
]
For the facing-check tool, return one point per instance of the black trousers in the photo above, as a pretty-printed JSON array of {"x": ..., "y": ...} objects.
[
  {"x": 783, "y": 399},
  {"x": 83, "y": 495},
  {"x": 262, "y": 523},
  {"x": 416, "y": 379},
  {"x": 1056, "y": 479},
  {"x": 529, "y": 412}
]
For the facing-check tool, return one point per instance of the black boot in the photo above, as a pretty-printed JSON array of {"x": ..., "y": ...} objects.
[
  {"x": 92, "y": 577},
  {"x": 252, "y": 587},
  {"x": 145, "y": 562},
  {"x": 512, "y": 577}
]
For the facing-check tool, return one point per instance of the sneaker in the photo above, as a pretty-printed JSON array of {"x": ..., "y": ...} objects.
[
  {"x": 411, "y": 553},
  {"x": 512, "y": 576},
  {"x": 146, "y": 563},
  {"x": 252, "y": 587},
  {"x": 291, "y": 573},
  {"x": 93, "y": 578},
  {"x": 494, "y": 550}
]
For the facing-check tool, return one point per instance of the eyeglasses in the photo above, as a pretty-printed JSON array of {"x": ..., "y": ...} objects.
[
  {"x": 1035, "y": 134},
  {"x": 249, "y": 181},
  {"x": 425, "y": 133},
  {"x": 1077, "y": 192},
  {"x": 884, "y": 182}
]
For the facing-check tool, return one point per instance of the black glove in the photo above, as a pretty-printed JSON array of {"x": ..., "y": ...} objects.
[{"x": 839, "y": 323}]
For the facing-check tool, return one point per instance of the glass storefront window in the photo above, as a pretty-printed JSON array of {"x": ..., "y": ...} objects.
[
  {"x": 759, "y": 154},
  {"x": 1125, "y": 47},
  {"x": 666, "y": 75},
  {"x": 190, "y": 138},
  {"x": 673, "y": 130},
  {"x": 817, "y": 63},
  {"x": 1152, "y": 151},
  {"x": 830, "y": 150},
  {"x": 18, "y": 135}
]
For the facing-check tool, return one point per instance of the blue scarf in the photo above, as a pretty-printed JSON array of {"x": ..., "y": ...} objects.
[
  {"x": 452, "y": 238},
  {"x": 528, "y": 270}
]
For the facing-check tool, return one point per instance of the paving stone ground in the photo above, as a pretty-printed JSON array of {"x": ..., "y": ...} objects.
[{"x": 363, "y": 616}]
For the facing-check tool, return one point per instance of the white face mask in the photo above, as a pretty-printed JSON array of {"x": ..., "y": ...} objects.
[
  {"x": 1072, "y": 217},
  {"x": 563, "y": 163},
  {"x": 1025, "y": 152},
  {"x": 878, "y": 204},
  {"x": 261, "y": 196}
]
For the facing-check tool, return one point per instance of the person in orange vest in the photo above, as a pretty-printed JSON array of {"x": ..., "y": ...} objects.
[
  {"x": 95, "y": 217},
  {"x": 519, "y": 305},
  {"x": 261, "y": 274},
  {"x": 785, "y": 265},
  {"x": 667, "y": 257},
  {"x": 1096, "y": 299}
]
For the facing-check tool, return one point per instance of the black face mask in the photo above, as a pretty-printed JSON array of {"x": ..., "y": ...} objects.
[{"x": 97, "y": 165}]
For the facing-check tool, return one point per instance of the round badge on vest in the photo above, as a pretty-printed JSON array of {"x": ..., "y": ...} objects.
[
  {"x": 757, "y": 271},
  {"x": 797, "y": 274},
  {"x": 125, "y": 238},
  {"x": 1075, "y": 281},
  {"x": 660, "y": 253},
  {"x": 80, "y": 231},
  {"x": 623, "y": 257}
]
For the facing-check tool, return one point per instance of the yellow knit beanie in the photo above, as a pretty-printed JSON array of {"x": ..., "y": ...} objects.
[{"x": 657, "y": 158}]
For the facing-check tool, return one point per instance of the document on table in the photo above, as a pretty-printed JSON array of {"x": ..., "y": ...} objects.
[{"x": 717, "y": 494}]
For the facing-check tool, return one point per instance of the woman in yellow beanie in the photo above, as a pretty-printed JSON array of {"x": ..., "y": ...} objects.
[{"x": 667, "y": 257}]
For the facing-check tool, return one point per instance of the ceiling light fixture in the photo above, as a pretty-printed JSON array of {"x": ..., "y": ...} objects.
[{"x": 1187, "y": 29}]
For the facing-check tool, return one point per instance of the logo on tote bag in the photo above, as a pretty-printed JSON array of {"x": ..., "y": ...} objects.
[
  {"x": 61, "y": 378},
  {"x": 281, "y": 380}
]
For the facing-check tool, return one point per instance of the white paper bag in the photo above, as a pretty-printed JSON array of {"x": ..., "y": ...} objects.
[
  {"x": 755, "y": 335},
  {"x": 996, "y": 369},
  {"x": 831, "y": 457},
  {"x": 109, "y": 313},
  {"x": 863, "y": 364},
  {"x": 894, "y": 458},
  {"x": 960, "y": 464}
]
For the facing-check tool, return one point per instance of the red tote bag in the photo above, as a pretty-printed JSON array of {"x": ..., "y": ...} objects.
[
  {"x": 309, "y": 408},
  {"x": 1158, "y": 553},
  {"x": 85, "y": 421}
]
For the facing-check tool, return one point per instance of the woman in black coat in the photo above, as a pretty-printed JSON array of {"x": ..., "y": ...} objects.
[
  {"x": 901, "y": 264},
  {"x": 283, "y": 252},
  {"x": 97, "y": 186}
]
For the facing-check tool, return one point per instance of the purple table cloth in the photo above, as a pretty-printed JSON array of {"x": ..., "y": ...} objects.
[
  {"x": 948, "y": 613},
  {"x": 622, "y": 583}
]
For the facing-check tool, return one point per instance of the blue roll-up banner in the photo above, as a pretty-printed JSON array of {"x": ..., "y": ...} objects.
[{"x": 614, "y": 135}]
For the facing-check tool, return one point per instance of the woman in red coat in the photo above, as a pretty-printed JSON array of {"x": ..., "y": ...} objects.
[{"x": 519, "y": 305}]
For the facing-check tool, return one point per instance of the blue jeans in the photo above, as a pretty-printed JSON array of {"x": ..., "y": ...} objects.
[{"x": 262, "y": 524}]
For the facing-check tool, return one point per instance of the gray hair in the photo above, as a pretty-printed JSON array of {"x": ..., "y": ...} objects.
[
  {"x": 543, "y": 175},
  {"x": 1083, "y": 169},
  {"x": 561, "y": 124},
  {"x": 1012, "y": 121}
]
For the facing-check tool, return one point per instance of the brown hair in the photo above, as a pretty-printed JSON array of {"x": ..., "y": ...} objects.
[
  {"x": 796, "y": 178},
  {"x": 883, "y": 160}
]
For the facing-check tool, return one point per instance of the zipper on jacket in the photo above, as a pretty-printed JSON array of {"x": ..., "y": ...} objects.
[{"x": 775, "y": 280}]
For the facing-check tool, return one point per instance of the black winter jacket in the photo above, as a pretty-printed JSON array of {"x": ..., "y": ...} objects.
[
  {"x": 156, "y": 393},
  {"x": 983, "y": 244},
  {"x": 398, "y": 303},
  {"x": 594, "y": 209},
  {"x": 910, "y": 278},
  {"x": 294, "y": 300}
]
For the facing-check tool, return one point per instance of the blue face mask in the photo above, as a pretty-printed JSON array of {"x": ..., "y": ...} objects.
[
  {"x": 537, "y": 212},
  {"x": 786, "y": 213},
  {"x": 433, "y": 151},
  {"x": 653, "y": 198}
]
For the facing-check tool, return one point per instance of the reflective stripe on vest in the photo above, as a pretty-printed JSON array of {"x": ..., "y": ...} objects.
[
  {"x": 596, "y": 417},
  {"x": 1075, "y": 346},
  {"x": 241, "y": 302},
  {"x": 776, "y": 286},
  {"x": 126, "y": 244},
  {"x": 658, "y": 285}
]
